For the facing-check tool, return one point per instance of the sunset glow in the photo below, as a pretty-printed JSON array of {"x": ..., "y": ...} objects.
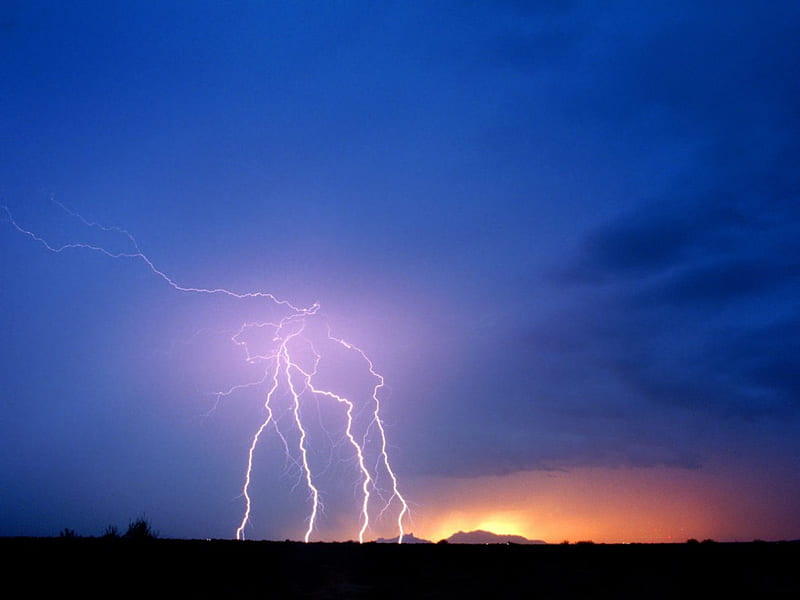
[
  {"x": 605, "y": 505},
  {"x": 503, "y": 524}
]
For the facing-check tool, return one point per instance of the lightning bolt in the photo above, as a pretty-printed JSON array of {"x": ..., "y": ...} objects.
[
  {"x": 284, "y": 368},
  {"x": 376, "y": 420}
]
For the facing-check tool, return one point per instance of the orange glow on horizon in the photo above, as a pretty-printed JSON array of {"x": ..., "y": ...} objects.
[
  {"x": 502, "y": 525},
  {"x": 499, "y": 522},
  {"x": 606, "y": 505}
]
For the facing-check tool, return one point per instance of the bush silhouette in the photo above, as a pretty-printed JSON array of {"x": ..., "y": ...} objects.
[
  {"x": 111, "y": 533},
  {"x": 68, "y": 533},
  {"x": 140, "y": 530}
]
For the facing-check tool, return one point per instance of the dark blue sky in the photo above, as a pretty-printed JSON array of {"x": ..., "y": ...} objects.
[{"x": 567, "y": 234}]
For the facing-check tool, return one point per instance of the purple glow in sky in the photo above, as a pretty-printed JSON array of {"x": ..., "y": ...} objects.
[{"x": 293, "y": 372}]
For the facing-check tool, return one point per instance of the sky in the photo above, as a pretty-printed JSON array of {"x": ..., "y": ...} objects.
[{"x": 566, "y": 233}]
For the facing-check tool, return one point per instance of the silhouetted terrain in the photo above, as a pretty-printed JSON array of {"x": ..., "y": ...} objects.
[
  {"x": 467, "y": 537},
  {"x": 487, "y": 537},
  {"x": 96, "y": 567},
  {"x": 408, "y": 538}
]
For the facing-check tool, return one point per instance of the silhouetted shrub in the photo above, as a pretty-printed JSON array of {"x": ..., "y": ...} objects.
[
  {"x": 585, "y": 543},
  {"x": 140, "y": 530},
  {"x": 110, "y": 533},
  {"x": 692, "y": 541},
  {"x": 68, "y": 533},
  {"x": 442, "y": 542},
  {"x": 708, "y": 541}
]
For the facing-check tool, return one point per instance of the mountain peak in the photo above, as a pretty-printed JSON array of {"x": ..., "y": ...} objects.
[
  {"x": 487, "y": 537},
  {"x": 408, "y": 538}
]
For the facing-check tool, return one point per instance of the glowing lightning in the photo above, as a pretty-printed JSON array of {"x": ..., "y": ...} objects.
[
  {"x": 366, "y": 477},
  {"x": 256, "y": 437},
  {"x": 285, "y": 370},
  {"x": 377, "y": 421}
]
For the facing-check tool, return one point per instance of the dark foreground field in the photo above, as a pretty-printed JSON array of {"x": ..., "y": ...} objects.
[{"x": 180, "y": 568}]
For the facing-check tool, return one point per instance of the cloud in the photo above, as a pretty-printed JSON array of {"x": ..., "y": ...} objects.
[
  {"x": 720, "y": 282},
  {"x": 674, "y": 325}
]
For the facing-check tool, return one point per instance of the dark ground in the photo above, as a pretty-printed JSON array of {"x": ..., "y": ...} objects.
[{"x": 222, "y": 569}]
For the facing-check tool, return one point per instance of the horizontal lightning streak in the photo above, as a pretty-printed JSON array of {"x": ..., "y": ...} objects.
[{"x": 311, "y": 310}]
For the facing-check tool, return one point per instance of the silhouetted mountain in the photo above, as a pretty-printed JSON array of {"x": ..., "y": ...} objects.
[
  {"x": 487, "y": 537},
  {"x": 407, "y": 539}
]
